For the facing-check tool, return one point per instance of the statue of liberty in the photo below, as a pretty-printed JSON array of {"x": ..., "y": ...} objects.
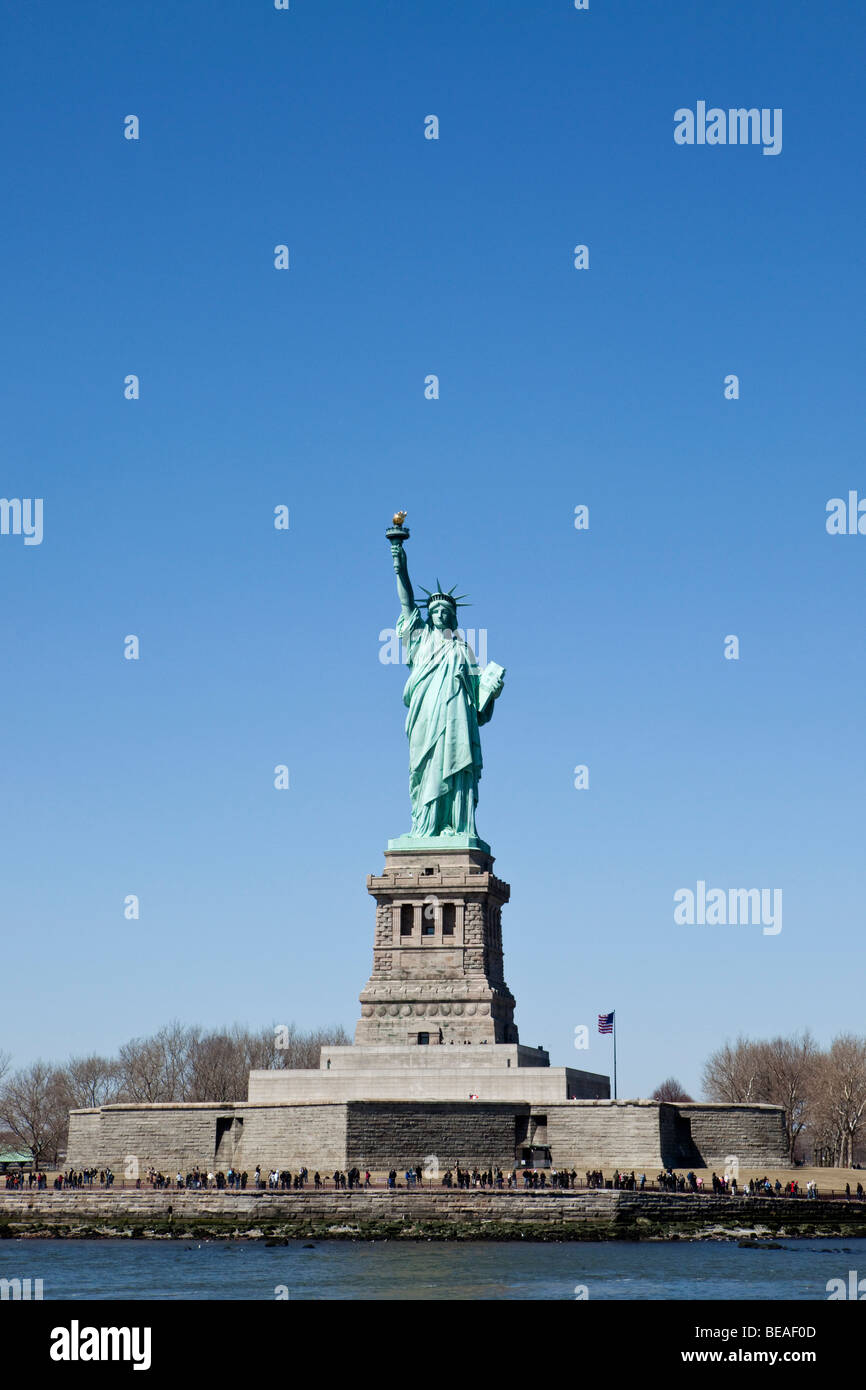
[{"x": 447, "y": 698}]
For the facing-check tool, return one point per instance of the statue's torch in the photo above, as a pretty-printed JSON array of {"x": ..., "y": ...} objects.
[{"x": 397, "y": 534}]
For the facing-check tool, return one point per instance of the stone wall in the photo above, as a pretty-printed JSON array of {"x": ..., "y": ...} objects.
[
  {"x": 643, "y": 1135},
  {"x": 379, "y": 1057},
  {"x": 462, "y": 1213},
  {"x": 158, "y": 1136},
  {"x": 586, "y": 1085},
  {"x": 755, "y": 1134},
  {"x": 381, "y": 1134},
  {"x": 172, "y": 1137},
  {"x": 605, "y": 1134},
  {"x": 85, "y": 1138},
  {"x": 294, "y": 1136},
  {"x": 646, "y": 1135},
  {"x": 517, "y": 1085}
]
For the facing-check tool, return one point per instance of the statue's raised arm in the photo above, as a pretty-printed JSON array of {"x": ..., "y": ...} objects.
[{"x": 396, "y": 535}]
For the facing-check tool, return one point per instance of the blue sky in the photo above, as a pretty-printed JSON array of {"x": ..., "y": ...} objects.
[{"x": 306, "y": 387}]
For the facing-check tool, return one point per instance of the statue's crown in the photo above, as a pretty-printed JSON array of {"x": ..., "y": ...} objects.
[{"x": 441, "y": 595}]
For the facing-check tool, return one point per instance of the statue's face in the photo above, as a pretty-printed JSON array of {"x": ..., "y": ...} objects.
[{"x": 443, "y": 617}]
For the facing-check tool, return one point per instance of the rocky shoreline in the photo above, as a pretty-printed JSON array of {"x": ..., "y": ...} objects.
[{"x": 423, "y": 1215}]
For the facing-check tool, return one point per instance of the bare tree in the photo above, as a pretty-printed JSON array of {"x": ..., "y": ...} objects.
[
  {"x": 823, "y": 1093},
  {"x": 736, "y": 1074},
  {"x": 219, "y": 1068},
  {"x": 671, "y": 1089},
  {"x": 177, "y": 1063},
  {"x": 845, "y": 1079},
  {"x": 787, "y": 1066},
  {"x": 284, "y": 1047},
  {"x": 93, "y": 1081},
  {"x": 822, "y": 1127},
  {"x": 7, "y": 1138},
  {"x": 34, "y": 1107},
  {"x": 158, "y": 1068},
  {"x": 303, "y": 1049}
]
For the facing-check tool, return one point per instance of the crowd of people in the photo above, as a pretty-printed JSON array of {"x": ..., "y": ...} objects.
[
  {"x": 494, "y": 1179},
  {"x": 463, "y": 1178},
  {"x": 627, "y": 1182},
  {"x": 413, "y": 1177},
  {"x": 276, "y": 1180},
  {"x": 350, "y": 1180},
  {"x": 533, "y": 1179},
  {"x": 621, "y": 1181},
  {"x": 36, "y": 1179},
  {"x": 85, "y": 1177},
  {"x": 669, "y": 1181}
]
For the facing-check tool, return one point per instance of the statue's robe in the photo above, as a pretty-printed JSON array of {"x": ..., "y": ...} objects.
[{"x": 442, "y": 695}]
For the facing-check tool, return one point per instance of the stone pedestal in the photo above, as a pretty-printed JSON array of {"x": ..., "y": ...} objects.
[{"x": 437, "y": 976}]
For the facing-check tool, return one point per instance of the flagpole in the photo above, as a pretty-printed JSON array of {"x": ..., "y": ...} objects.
[{"x": 614, "y": 1054}]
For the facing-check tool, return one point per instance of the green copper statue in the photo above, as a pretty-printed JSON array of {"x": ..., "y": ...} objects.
[{"x": 447, "y": 698}]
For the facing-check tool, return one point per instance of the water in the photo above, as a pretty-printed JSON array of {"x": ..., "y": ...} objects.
[{"x": 394, "y": 1270}]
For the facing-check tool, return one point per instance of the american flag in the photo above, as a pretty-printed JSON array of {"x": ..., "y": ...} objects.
[{"x": 605, "y": 1023}]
